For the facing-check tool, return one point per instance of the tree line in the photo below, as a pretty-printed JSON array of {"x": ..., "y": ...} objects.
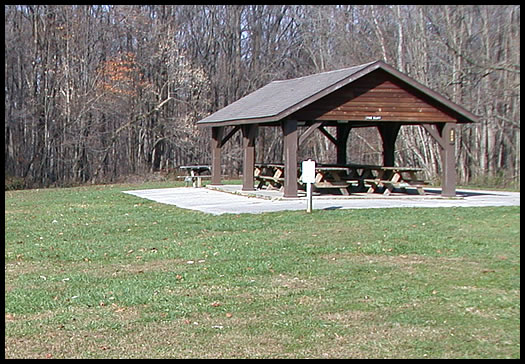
[{"x": 94, "y": 93}]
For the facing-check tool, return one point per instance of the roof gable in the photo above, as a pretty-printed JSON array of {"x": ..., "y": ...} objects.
[
  {"x": 377, "y": 96},
  {"x": 279, "y": 99}
]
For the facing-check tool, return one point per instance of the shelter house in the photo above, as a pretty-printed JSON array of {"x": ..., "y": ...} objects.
[{"x": 369, "y": 95}]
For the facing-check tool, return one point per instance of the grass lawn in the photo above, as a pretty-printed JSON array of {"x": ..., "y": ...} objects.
[{"x": 91, "y": 272}]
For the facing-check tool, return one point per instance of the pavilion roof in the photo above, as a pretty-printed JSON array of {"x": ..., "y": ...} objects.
[{"x": 280, "y": 98}]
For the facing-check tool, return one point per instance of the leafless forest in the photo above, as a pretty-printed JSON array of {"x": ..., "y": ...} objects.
[{"x": 97, "y": 93}]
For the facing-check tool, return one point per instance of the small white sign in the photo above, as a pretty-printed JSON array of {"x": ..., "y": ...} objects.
[{"x": 308, "y": 175}]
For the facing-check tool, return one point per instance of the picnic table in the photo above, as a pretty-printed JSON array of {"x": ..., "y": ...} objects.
[
  {"x": 333, "y": 177},
  {"x": 346, "y": 178},
  {"x": 270, "y": 175},
  {"x": 195, "y": 174},
  {"x": 389, "y": 178}
]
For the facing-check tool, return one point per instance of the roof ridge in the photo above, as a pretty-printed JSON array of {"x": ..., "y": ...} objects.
[{"x": 326, "y": 72}]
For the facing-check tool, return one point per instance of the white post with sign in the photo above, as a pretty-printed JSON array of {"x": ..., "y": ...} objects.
[{"x": 308, "y": 177}]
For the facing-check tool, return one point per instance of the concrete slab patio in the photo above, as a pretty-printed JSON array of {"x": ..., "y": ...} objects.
[{"x": 231, "y": 199}]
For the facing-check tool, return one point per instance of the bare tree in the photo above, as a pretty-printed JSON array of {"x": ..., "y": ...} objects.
[{"x": 97, "y": 92}]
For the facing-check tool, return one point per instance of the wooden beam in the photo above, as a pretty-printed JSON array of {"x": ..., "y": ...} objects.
[
  {"x": 434, "y": 132},
  {"x": 235, "y": 129},
  {"x": 309, "y": 131},
  {"x": 328, "y": 135}
]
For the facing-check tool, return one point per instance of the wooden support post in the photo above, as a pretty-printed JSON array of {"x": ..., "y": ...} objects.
[
  {"x": 448, "y": 158},
  {"x": 343, "y": 131},
  {"x": 389, "y": 135},
  {"x": 249, "y": 133},
  {"x": 289, "y": 128},
  {"x": 216, "y": 145}
]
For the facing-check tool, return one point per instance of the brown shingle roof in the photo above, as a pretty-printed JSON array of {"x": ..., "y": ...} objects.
[{"x": 279, "y": 99}]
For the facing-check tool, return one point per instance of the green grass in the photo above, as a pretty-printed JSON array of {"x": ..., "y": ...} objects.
[{"x": 91, "y": 272}]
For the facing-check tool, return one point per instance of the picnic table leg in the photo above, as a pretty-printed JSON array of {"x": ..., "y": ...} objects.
[
  {"x": 256, "y": 174},
  {"x": 187, "y": 181},
  {"x": 389, "y": 188},
  {"x": 360, "y": 181},
  {"x": 278, "y": 173},
  {"x": 344, "y": 190},
  {"x": 372, "y": 188},
  {"x": 419, "y": 189},
  {"x": 377, "y": 183},
  {"x": 194, "y": 182}
]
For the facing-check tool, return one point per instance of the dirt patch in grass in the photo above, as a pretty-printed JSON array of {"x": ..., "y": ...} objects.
[
  {"x": 290, "y": 282},
  {"x": 202, "y": 336},
  {"x": 161, "y": 265},
  {"x": 74, "y": 332},
  {"x": 407, "y": 263}
]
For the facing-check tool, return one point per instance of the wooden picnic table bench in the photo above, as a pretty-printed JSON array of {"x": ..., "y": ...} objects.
[
  {"x": 395, "y": 177},
  {"x": 195, "y": 174}
]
